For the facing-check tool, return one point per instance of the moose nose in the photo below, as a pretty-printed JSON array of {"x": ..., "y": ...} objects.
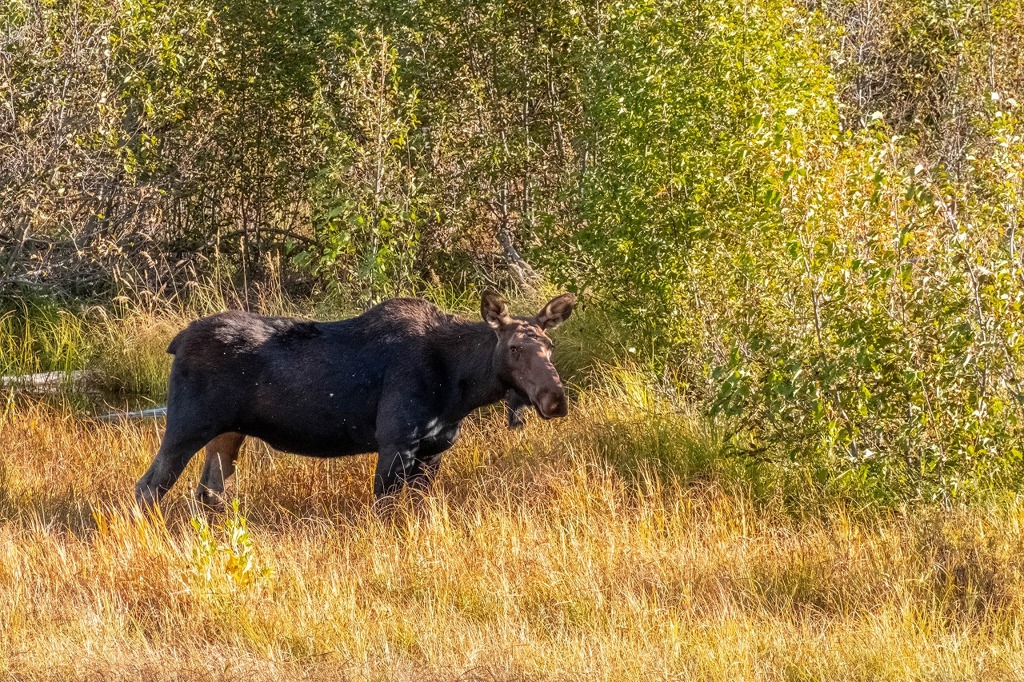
[{"x": 554, "y": 404}]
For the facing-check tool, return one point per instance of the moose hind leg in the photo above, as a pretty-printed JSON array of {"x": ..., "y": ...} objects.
[
  {"x": 221, "y": 455},
  {"x": 175, "y": 452}
]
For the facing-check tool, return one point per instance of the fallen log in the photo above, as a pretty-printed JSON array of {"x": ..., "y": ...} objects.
[
  {"x": 47, "y": 382},
  {"x": 151, "y": 413}
]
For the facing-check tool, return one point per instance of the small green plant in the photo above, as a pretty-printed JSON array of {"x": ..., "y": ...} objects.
[{"x": 224, "y": 555}]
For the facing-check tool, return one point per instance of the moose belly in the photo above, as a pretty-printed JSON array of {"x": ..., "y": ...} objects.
[
  {"x": 314, "y": 431},
  {"x": 314, "y": 442},
  {"x": 308, "y": 420}
]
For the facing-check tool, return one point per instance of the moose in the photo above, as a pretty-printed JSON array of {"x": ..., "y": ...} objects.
[{"x": 397, "y": 380}]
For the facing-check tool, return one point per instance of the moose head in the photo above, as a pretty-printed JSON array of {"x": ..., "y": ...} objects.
[{"x": 523, "y": 350}]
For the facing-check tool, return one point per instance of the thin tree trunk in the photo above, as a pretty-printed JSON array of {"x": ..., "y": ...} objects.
[{"x": 526, "y": 277}]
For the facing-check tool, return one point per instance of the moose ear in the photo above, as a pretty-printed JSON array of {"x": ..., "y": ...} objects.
[
  {"x": 556, "y": 311},
  {"x": 493, "y": 309}
]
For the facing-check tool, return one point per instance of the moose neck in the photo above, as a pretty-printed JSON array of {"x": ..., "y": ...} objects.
[{"x": 470, "y": 352}]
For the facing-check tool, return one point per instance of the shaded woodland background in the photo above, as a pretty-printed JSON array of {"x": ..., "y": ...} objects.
[{"x": 800, "y": 217}]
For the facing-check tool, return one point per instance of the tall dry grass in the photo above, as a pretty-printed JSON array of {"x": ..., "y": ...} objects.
[{"x": 623, "y": 542}]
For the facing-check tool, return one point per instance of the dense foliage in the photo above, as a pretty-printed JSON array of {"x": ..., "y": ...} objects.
[{"x": 806, "y": 213}]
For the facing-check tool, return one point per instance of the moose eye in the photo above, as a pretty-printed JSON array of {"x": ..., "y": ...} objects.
[{"x": 514, "y": 349}]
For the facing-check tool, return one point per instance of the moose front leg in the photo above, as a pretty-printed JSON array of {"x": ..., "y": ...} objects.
[
  {"x": 515, "y": 408},
  {"x": 395, "y": 464},
  {"x": 428, "y": 457}
]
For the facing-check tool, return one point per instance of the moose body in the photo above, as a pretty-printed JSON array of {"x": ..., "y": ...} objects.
[{"x": 396, "y": 380}]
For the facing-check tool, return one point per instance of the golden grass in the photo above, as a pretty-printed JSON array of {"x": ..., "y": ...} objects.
[{"x": 564, "y": 552}]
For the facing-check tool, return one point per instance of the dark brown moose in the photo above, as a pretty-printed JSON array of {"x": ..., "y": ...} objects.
[{"x": 396, "y": 380}]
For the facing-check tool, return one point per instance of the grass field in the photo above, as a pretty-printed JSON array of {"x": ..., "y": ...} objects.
[
  {"x": 614, "y": 544},
  {"x": 626, "y": 541}
]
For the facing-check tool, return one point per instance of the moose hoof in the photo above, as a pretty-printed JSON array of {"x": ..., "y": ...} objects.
[
  {"x": 146, "y": 496},
  {"x": 210, "y": 500}
]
